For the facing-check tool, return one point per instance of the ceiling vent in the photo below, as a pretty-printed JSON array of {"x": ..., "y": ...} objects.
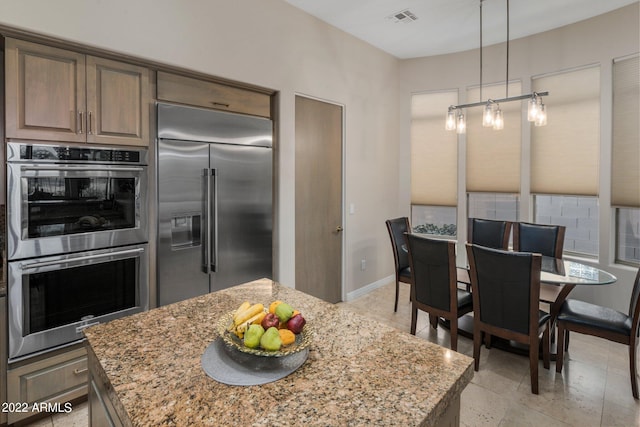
[{"x": 405, "y": 16}]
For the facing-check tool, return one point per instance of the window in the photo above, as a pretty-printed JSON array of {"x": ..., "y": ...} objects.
[
  {"x": 565, "y": 157},
  {"x": 625, "y": 159},
  {"x": 434, "y": 165},
  {"x": 628, "y": 235},
  {"x": 499, "y": 206},
  {"x": 436, "y": 220},
  {"x": 579, "y": 214}
]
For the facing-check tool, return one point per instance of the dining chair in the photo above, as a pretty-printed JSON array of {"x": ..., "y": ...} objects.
[
  {"x": 505, "y": 290},
  {"x": 544, "y": 239},
  {"x": 397, "y": 227},
  {"x": 489, "y": 232},
  {"x": 603, "y": 322},
  {"x": 435, "y": 289},
  {"x": 485, "y": 232},
  {"x": 547, "y": 240}
]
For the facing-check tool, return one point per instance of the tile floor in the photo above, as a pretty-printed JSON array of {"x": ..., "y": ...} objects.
[{"x": 593, "y": 389}]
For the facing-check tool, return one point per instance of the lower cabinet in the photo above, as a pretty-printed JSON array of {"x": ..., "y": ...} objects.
[
  {"x": 101, "y": 411},
  {"x": 56, "y": 379}
]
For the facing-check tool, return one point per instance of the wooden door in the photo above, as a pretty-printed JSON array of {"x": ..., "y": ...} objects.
[
  {"x": 118, "y": 102},
  {"x": 45, "y": 92},
  {"x": 318, "y": 198}
]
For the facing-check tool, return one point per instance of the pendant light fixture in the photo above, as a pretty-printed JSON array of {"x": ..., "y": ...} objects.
[{"x": 492, "y": 115}]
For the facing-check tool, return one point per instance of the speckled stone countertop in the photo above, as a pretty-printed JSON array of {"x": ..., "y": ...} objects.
[{"x": 359, "y": 372}]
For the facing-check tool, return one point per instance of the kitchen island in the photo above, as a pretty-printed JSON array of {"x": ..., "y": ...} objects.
[{"x": 145, "y": 370}]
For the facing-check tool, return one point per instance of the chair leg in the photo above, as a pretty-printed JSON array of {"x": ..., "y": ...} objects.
[
  {"x": 566, "y": 340},
  {"x": 487, "y": 340},
  {"x": 560, "y": 347},
  {"x": 395, "y": 307},
  {"x": 545, "y": 348},
  {"x": 477, "y": 342},
  {"x": 533, "y": 365},
  {"x": 414, "y": 319},
  {"x": 433, "y": 320},
  {"x": 453, "y": 329},
  {"x": 633, "y": 370}
]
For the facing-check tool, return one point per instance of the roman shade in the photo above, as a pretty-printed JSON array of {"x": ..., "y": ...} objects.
[
  {"x": 434, "y": 151},
  {"x": 493, "y": 156},
  {"x": 565, "y": 153},
  {"x": 625, "y": 168}
]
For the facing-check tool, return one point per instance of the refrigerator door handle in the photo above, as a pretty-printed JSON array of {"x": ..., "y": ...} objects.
[
  {"x": 206, "y": 247},
  {"x": 214, "y": 220}
]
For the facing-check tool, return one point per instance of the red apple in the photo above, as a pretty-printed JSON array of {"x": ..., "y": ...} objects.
[
  {"x": 270, "y": 320},
  {"x": 296, "y": 323}
]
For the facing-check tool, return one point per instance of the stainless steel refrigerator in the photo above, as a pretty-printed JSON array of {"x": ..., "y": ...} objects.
[{"x": 215, "y": 220}]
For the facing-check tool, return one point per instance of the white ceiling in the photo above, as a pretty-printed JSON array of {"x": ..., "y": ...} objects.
[{"x": 445, "y": 26}]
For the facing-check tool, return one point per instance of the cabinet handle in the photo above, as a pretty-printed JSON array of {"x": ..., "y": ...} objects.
[
  {"x": 89, "y": 124},
  {"x": 220, "y": 104},
  {"x": 80, "y": 114},
  {"x": 79, "y": 371}
]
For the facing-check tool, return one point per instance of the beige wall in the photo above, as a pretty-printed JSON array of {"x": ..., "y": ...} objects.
[
  {"x": 594, "y": 41},
  {"x": 271, "y": 44}
]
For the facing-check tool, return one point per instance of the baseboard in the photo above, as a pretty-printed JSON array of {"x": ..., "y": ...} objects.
[{"x": 370, "y": 287}]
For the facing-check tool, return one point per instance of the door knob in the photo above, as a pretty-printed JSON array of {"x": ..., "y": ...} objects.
[{"x": 338, "y": 229}]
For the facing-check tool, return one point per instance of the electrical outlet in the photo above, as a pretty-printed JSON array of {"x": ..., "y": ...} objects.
[{"x": 363, "y": 264}]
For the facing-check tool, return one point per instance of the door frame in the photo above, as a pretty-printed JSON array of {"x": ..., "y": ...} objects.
[{"x": 343, "y": 293}]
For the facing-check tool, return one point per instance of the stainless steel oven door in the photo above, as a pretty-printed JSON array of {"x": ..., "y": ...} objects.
[
  {"x": 62, "y": 208},
  {"x": 53, "y": 299}
]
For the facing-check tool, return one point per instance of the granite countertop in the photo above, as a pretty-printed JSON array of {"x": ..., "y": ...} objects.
[{"x": 359, "y": 372}]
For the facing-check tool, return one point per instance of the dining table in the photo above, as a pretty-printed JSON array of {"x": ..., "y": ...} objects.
[{"x": 558, "y": 277}]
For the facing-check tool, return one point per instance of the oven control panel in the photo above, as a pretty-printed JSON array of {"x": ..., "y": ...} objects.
[{"x": 75, "y": 154}]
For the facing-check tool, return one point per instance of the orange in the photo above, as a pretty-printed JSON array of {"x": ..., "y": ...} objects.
[
  {"x": 287, "y": 336},
  {"x": 272, "y": 307}
]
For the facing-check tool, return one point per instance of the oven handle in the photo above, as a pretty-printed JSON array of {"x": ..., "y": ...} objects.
[
  {"x": 82, "y": 328},
  {"x": 35, "y": 265},
  {"x": 82, "y": 168}
]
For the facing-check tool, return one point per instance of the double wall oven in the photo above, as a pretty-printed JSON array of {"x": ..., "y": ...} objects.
[{"x": 77, "y": 237}]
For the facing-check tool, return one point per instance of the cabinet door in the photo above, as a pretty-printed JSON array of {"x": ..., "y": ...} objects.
[
  {"x": 118, "y": 102},
  {"x": 60, "y": 378},
  {"x": 186, "y": 90},
  {"x": 45, "y": 92}
]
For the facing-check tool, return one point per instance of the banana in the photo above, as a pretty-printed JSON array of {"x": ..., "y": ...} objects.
[
  {"x": 245, "y": 305},
  {"x": 244, "y": 316},
  {"x": 242, "y": 328},
  {"x": 257, "y": 319}
]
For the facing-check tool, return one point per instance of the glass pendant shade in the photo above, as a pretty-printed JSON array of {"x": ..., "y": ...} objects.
[
  {"x": 532, "y": 109},
  {"x": 498, "y": 120},
  {"x": 461, "y": 124},
  {"x": 487, "y": 117},
  {"x": 541, "y": 118},
  {"x": 451, "y": 120}
]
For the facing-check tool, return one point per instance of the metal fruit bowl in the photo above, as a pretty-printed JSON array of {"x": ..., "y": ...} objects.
[{"x": 303, "y": 339}]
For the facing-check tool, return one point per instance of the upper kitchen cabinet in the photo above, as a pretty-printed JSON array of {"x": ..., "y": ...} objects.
[
  {"x": 58, "y": 95},
  {"x": 208, "y": 94}
]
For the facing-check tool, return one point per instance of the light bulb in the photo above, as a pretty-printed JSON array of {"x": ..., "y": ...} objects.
[
  {"x": 532, "y": 110},
  {"x": 541, "y": 118},
  {"x": 462, "y": 125},
  {"x": 498, "y": 120},
  {"x": 451, "y": 120},
  {"x": 487, "y": 117}
]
